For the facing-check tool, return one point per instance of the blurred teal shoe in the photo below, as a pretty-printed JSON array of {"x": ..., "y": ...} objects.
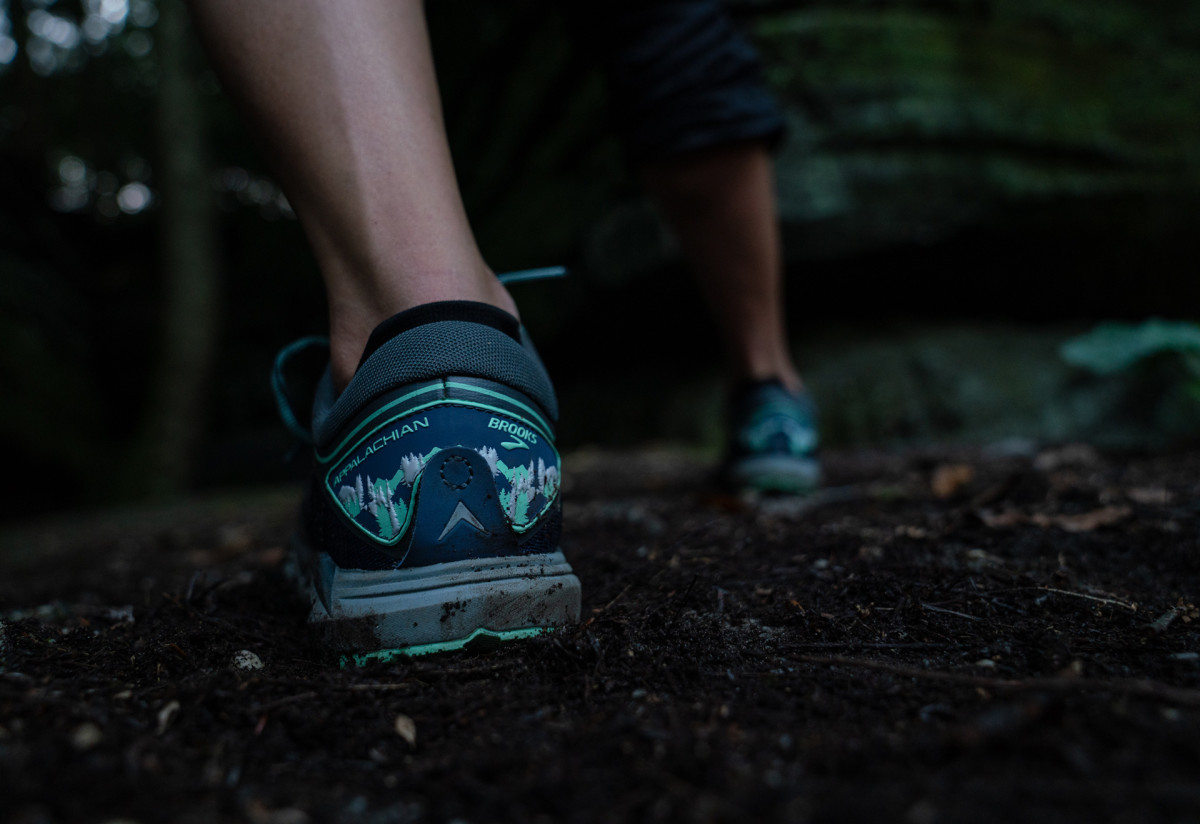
[{"x": 772, "y": 440}]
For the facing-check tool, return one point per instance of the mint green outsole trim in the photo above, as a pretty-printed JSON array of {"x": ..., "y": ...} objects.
[{"x": 385, "y": 656}]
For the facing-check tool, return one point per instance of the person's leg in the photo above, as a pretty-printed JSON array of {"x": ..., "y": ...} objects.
[
  {"x": 698, "y": 121},
  {"x": 720, "y": 203},
  {"x": 414, "y": 506},
  {"x": 344, "y": 97}
]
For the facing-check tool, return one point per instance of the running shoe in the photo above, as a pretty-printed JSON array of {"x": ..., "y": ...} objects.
[
  {"x": 772, "y": 440},
  {"x": 433, "y": 518}
]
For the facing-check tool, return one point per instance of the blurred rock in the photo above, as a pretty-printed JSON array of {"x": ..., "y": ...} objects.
[
  {"x": 911, "y": 121},
  {"x": 910, "y": 385}
]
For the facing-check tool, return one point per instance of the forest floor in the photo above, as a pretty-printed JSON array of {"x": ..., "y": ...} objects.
[{"x": 946, "y": 635}]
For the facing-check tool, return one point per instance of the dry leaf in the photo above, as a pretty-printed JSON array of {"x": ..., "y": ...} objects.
[
  {"x": 949, "y": 479},
  {"x": 1085, "y": 521},
  {"x": 1151, "y": 495},
  {"x": 406, "y": 728},
  {"x": 1002, "y": 520},
  {"x": 1082, "y": 522},
  {"x": 166, "y": 715}
]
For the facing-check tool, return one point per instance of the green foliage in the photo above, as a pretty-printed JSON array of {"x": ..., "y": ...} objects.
[
  {"x": 1158, "y": 362},
  {"x": 1113, "y": 347}
]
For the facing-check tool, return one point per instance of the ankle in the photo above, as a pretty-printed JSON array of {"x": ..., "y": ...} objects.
[
  {"x": 352, "y": 323},
  {"x": 771, "y": 370}
]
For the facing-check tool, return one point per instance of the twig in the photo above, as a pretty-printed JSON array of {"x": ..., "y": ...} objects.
[
  {"x": 1132, "y": 607},
  {"x": 1115, "y": 602},
  {"x": 309, "y": 694},
  {"x": 1140, "y": 687},
  {"x": 853, "y": 645},
  {"x": 404, "y": 685},
  {"x": 628, "y": 586},
  {"x": 932, "y": 608},
  {"x": 271, "y": 706},
  {"x": 618, "y": 597},
  {"x": 446, "y": 671}
]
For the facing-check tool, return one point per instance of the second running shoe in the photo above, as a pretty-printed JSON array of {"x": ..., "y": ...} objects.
[{"x": 772, "y": 440}]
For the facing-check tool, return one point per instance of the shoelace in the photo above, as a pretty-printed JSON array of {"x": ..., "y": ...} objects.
[{"x": 279, "y": 383}]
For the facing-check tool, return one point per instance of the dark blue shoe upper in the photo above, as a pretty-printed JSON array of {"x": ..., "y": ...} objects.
[{"x": 432, "y": 455}]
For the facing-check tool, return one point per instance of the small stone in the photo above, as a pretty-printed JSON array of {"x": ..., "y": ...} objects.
[
  {"x": 166, "y": 715},
  {"x": 923, "y": 812},
  {"x": 86, "y": 736},
  {"x": 1077, "y": 455},
  {"x": 120, "y": 615},
  {"x": 406, "y": 728},
  {"x": 1163, "y": 621},
  {"x": 244, "y": 659},
  {"x": 870, "y": 553},
  {"x": 235, "y": 539}
]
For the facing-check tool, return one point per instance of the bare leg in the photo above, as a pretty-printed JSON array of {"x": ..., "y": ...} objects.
[
  {"x": 720, "y": 202},
  {"x": 345, "y": 97}
]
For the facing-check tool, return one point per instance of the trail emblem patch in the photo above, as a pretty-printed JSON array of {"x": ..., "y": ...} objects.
[{"x": 373, "y": 480}]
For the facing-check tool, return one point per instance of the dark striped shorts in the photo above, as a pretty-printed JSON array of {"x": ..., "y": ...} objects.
[{"x": 682, "y": 76}]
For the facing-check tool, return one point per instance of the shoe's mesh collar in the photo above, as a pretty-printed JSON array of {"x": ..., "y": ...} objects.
[
  {"x": 435, "y": 350},
  {"x": 466, "y": 310}
]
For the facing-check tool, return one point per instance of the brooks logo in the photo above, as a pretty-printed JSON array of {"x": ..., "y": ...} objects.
[{"x": 513, "y": 429}]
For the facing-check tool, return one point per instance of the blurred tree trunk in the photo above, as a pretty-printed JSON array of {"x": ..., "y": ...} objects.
[{"x": 188, "y": 258}]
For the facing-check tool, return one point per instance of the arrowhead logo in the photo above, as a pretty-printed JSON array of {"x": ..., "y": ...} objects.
[
  {"x": 514, "y": 444},
  {"x": 461, "y": 514}
]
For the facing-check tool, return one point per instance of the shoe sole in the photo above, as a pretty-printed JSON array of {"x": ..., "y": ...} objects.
[
  {"x": 776, "y": 473},
  {"x": 381, "y": 615}
]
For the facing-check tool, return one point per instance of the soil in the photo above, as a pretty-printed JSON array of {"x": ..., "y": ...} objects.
[{"x": 947, "y": 635}]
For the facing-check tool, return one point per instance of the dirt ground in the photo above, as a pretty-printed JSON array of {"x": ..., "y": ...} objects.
[{"x": 949, "y": 635}]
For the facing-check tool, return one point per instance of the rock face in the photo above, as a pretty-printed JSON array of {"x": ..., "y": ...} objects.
[
  {"x": 1004, "y": 385},
  {"x": 911, "y": 120}
]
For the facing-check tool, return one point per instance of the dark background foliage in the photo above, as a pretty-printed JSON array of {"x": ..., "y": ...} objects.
[{"x": 978, "y": 164}]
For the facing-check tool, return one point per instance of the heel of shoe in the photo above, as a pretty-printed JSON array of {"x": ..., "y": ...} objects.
[{"x": 441, "y": 607}]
